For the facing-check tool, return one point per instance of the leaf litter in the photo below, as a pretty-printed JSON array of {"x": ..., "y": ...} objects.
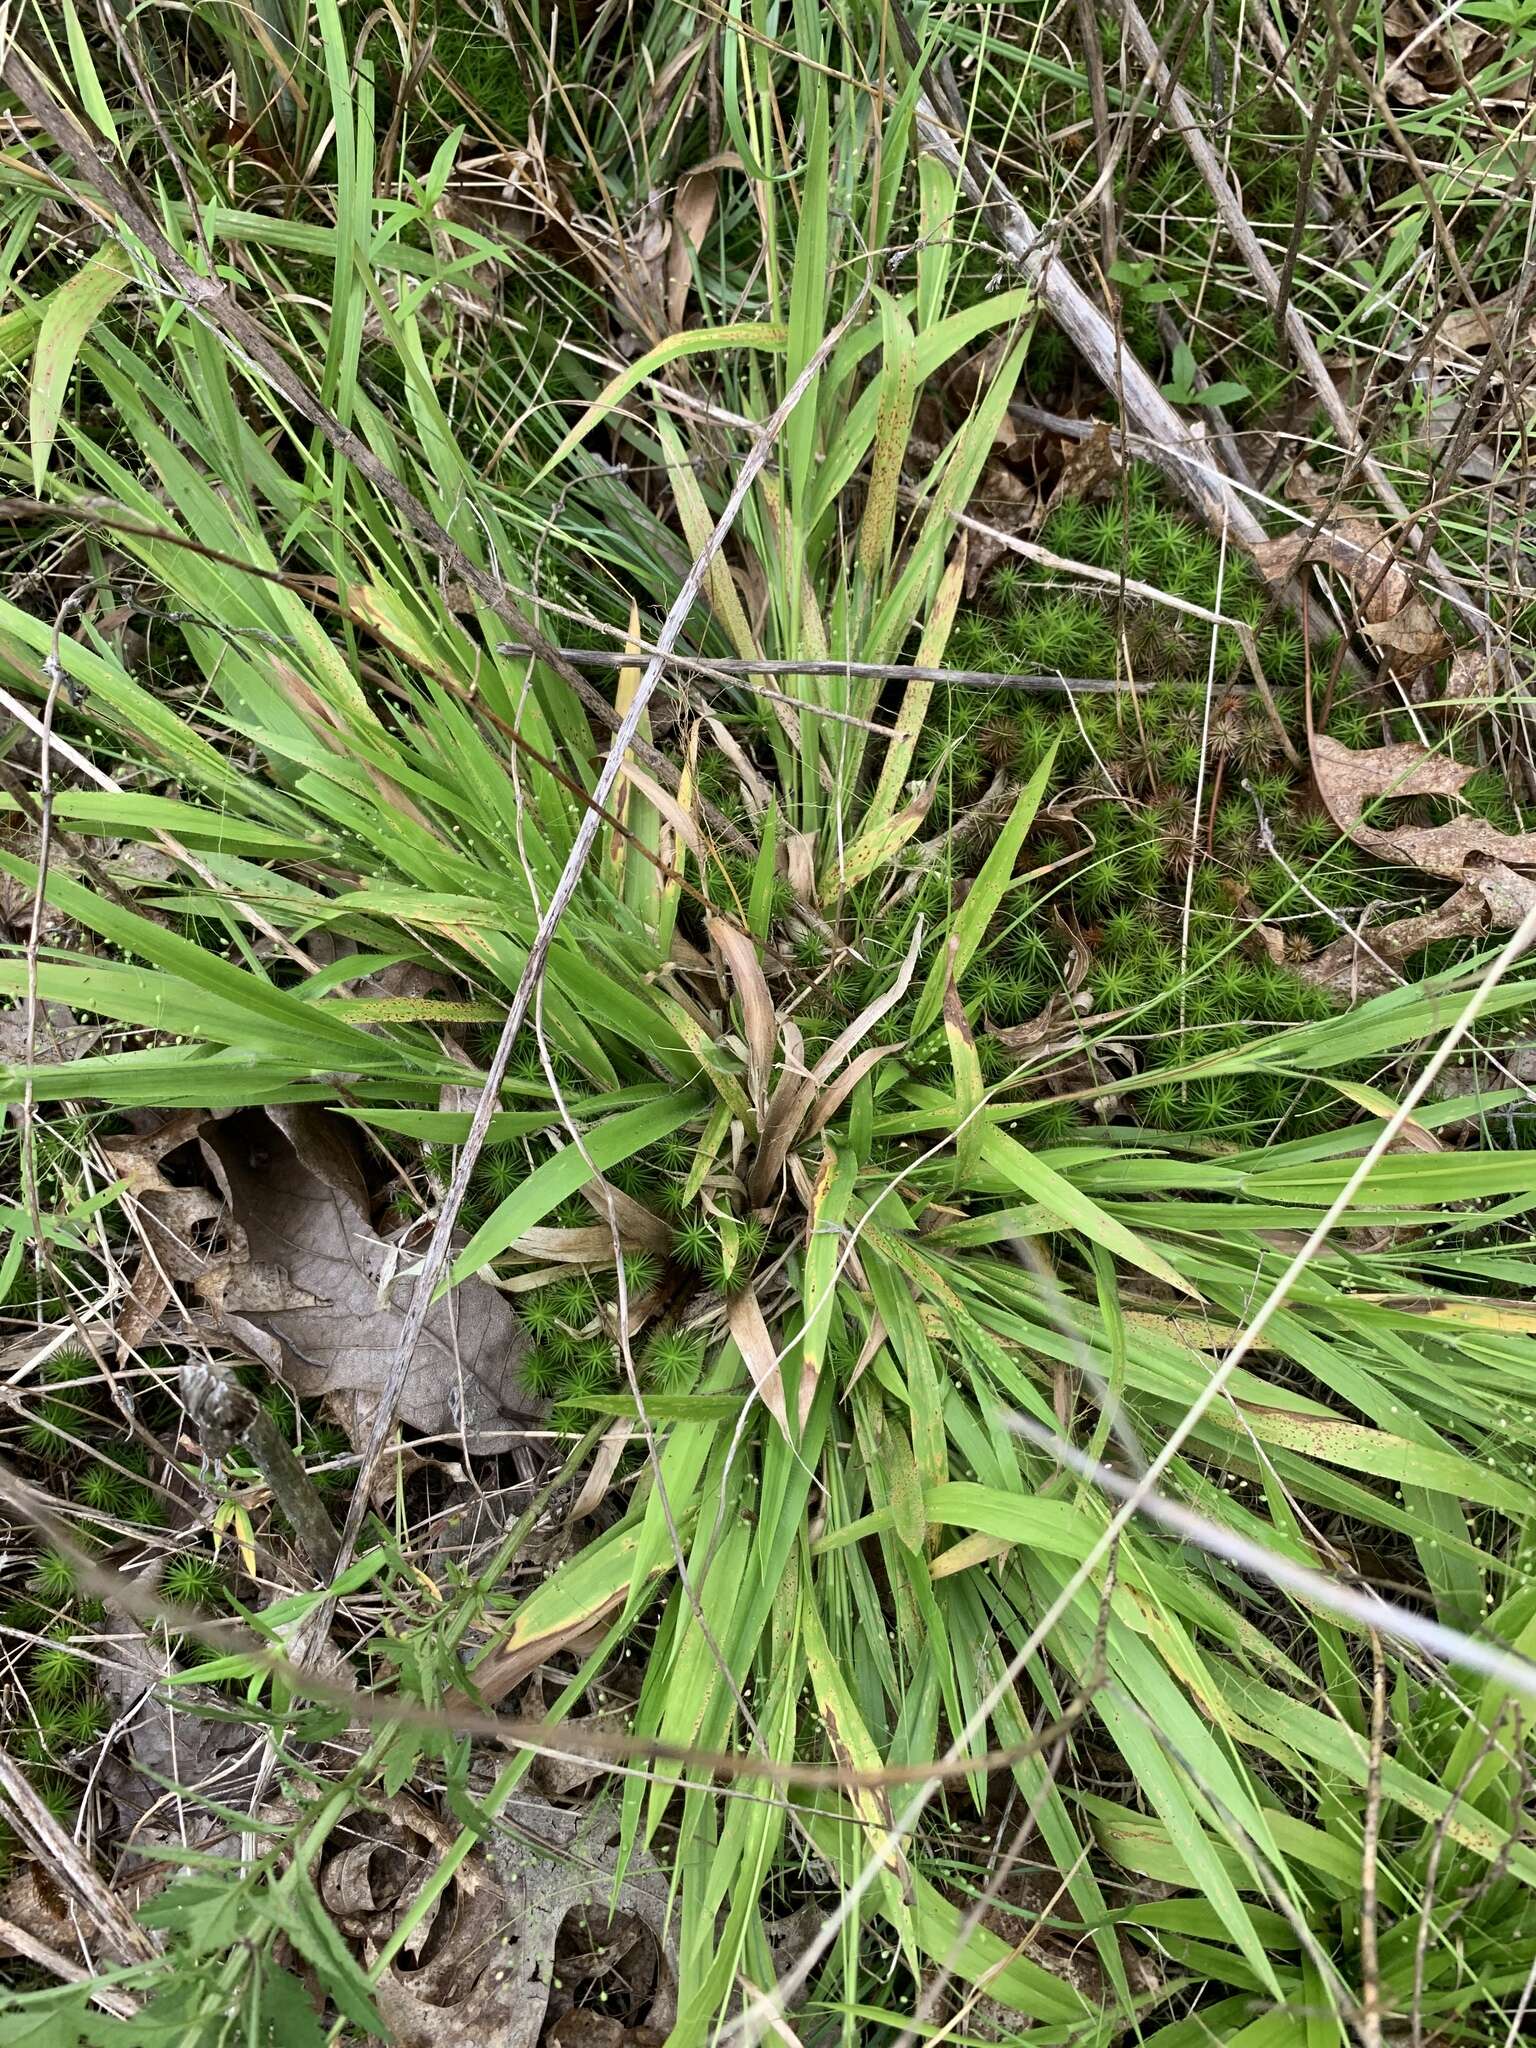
[{"x": 278, "y": 1247}]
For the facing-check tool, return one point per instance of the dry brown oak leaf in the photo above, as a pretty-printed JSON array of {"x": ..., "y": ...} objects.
[{"x": 304, "y": 1281}]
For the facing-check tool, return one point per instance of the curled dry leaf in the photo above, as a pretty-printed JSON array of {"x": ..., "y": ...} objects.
[
  {"x": 589, "y": 1246},
  {"x": 1355, "y": 546},
  {"x": 800, "y": 867},
  {"x": 759, "y": 1023},
  {"x": 1494, "y": 895},
  {"x": 1429, "y": 56},
  {"x": 1087, "y": 465},
  {"x": 448, "y": 1987},
  {"x": 1072, "y": 1055},
  {"x": 1368, "y": 963},
  {"x": 639, "y": 1229},
  {"x": 1056, "y": 1029},
  {"x": 692, "y": 211},
  {"x": 1350, "y": 779},
  {"x": 580, "y": 1937},
  {"x": 187, "y": 1233},
  {"x": 1391, "y": 613}
]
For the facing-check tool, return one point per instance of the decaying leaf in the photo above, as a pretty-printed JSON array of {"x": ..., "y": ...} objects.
[
  {"x": 166, "y": 1742},
  {"x": 759, "y": 1021},
  {"x": 1494, "y": 895},
  {"x": 580, "y": 1938},
  {"x": 56, "y": 1036},
  {"x": 447, "y": 1987},
  {"x": 183, "y": 1226},
  {"x": 1430, "y": 55},
  {"x": 756, "y": 1346},
  {"x": 281, "y": 1255},
  {"x": 800, "y": 867},
  {"x": 1069, "y": 1051},
  {"x": 1414, "y": 633},
  {"x": 1391, "y": 613},
  {"x": 297, "y": 1194},
  {"x": 1466, "y": 328},
  {"x": 1368, "y": 964},
  {"x": 514, "y": 197},
  {"x": 1004, "y": 501},
  {"x": 635, "y": 262},
  {"x": 692, "y": 211},
  {"x": 1355, "y": 546},
  {"x": 1350, "y": 779},
  {"x": 1472, "y": 679},
  {"x": 1087, "y": 465}
]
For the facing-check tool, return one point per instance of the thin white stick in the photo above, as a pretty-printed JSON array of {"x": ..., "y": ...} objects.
[
  {"x": 1507, "y": 1667},
  {"x": 436, "y": 1258}
]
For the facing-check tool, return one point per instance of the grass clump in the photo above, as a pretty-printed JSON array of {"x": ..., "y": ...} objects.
[{"x": 943, "y": 1058}]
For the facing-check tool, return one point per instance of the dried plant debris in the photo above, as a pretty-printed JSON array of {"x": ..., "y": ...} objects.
[
  {"x": 449, "y": 1985},
  {"x": 1351, "y": 781},
  {"x": 173, "y": 1763},
  {"x": 607, "y": 1938},
  {"x": 278, "y": 1248},
  {"x": 52, "y": 1034},
  {"x": 535, "y": 1938},
  {"x": 1430, "y": 55},
  {"x": 1392, "y": 615}
]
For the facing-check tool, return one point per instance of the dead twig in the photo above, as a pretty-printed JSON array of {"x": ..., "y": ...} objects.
[
  {"x": 1182, "y": 117},
  {"x": 119, "y": 1933},
  {"x": 874, "y": 671},
  {"x": 25, "y": 1943},
  {"x": 227, "y": 1414},
  {"x": 1170, "y": 442}
]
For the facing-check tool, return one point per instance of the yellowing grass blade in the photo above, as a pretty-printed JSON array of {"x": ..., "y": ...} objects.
[{"x": 70, "y": 315}]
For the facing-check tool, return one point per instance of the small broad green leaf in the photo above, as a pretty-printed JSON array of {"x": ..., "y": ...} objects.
[
  {"x": 908, "y": 1518},
  {"x": 284, "y": 2015},
  {"x": 295, "y": 1908},
  {"x": 879, "y": 843},
  {"x": 580, "y": 1593},
  {"x": 203, "y": 1912}
]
